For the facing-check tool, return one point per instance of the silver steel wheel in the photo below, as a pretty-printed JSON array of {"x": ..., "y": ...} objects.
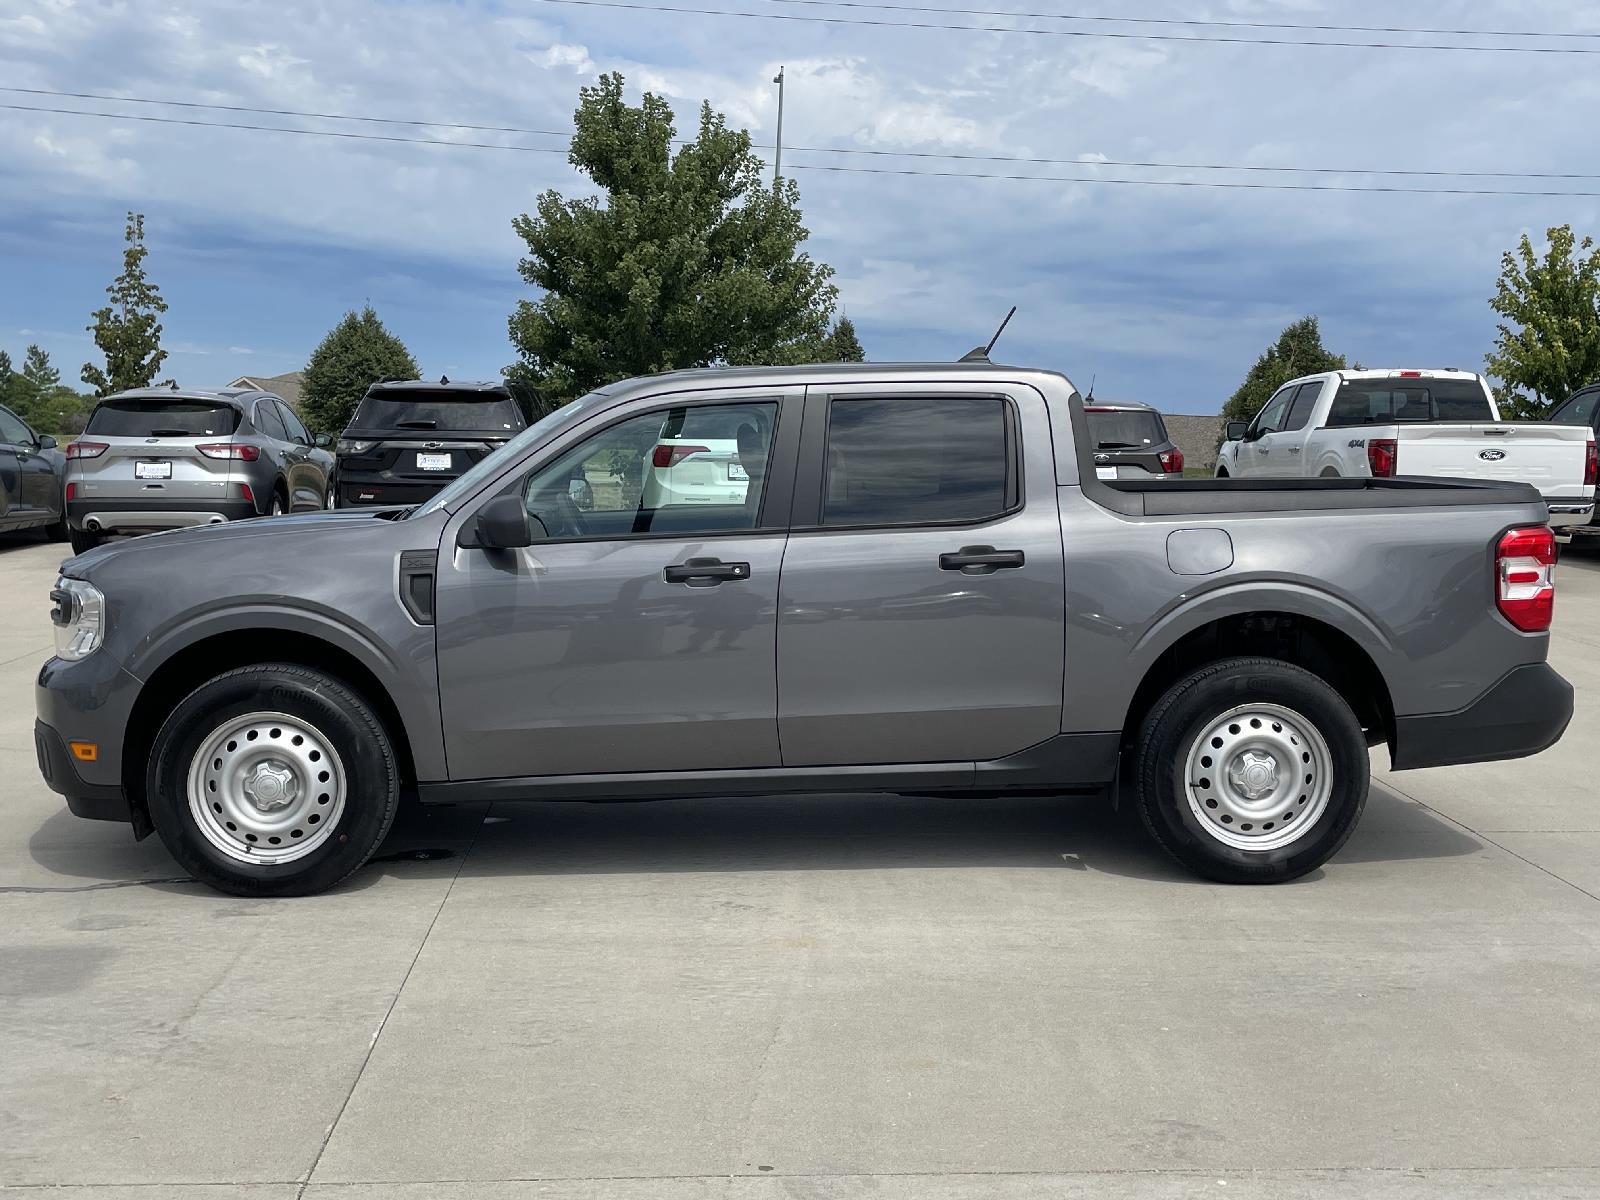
[
  {"x": 1258, "y": 777},
  {"x": 266, "y": 788}
]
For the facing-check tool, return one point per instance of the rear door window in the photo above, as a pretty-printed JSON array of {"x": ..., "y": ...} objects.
[
  {"x": 915, "y": 461},
  {"x": 442, "y": 411},
  {"x": 269, "y": 422},
  {"x": 1579, "y": 410},
  {"x": 162, "y": 418},
  {"x": 1304, "y": 401}
]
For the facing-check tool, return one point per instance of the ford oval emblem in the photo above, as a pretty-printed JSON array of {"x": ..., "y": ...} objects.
[{"x": 1491, "y": 455}]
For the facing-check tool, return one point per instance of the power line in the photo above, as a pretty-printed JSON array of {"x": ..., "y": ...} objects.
[
  {"x": 1186, "y": 21},
  {"x": 1070, "y": 33},
  {"x": 1100, "y": 179},
  {"x": 952, "y": 156}
]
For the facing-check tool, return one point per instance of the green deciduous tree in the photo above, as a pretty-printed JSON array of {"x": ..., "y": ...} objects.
[
  {"x": 126, "y": 330},
  {"x": 689, "y": 259},
  {"x": 1548, "y": 346},
  {"x": 357, "y": 352},
  {"x": 843, "y": 345},
  {"x": 1298, "y": 351}
]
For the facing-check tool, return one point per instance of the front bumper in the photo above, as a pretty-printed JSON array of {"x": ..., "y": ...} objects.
[
  {"x": 141, "y": 516},
  {"x": 88, "y": 701},
  {"x": 1524, "y": 713}
]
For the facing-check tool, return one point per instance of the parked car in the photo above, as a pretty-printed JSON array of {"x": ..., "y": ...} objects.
[
  {"x": 1382, "y": 424},
  {"x": 1131, "y": 442},
  {"x": 1582, "y": 409},
  {"x": 695, "y": 459},
  {"x": 32, "y": 483},
  {"x": 407, "y": 439},
  {"x": 928, "y": 589},
  {"x": 168, "y": 458}
]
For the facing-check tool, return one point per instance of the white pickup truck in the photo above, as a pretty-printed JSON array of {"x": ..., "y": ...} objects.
[{"x": 1380, "y": 424}]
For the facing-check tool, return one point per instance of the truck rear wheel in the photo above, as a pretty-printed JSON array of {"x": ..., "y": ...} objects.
[
  {"x": 1251, "y": 770},
  {"x": 272, "y": 780}
]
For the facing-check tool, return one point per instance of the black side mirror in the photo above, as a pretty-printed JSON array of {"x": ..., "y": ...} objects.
[
  {"x": 502, "y": 524},
  {"x": 323, "y": 441},
  {"x": 1235, "y": 431},
  {"x": 46, "y": 442}
]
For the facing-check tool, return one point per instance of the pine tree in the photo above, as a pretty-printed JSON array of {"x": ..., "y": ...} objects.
[
  {"x": 356, "y": 354},
  {"x": 842, "y": 345},
  {"x": 1298, "y": 351}
]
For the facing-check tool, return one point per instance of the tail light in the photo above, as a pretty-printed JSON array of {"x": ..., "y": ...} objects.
[
  {"x": 1525, "y": 577},
  {"x": 82, "y": 449},
  {"x": 246, "y": 494},
  {"x": 1381, "y": 456},
  {"x": 1172, "y": 462},
  {"x": 72, "y": 490},
  {"x": 670, "y": 454},
  {"x": 239, "y": 451},
  {"x": 1591, "y": 464}
]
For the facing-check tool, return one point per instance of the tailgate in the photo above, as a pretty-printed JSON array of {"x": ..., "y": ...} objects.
[
  {"x": 152, "y": 469},
  {"x": 1550, "y": 457}
]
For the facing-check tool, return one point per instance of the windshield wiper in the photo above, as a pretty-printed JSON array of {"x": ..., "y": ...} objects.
[
  {"x": 1116, "y": 445},
  {"x": 170, "y": 433},
  {"x": 416, "y": 424}
]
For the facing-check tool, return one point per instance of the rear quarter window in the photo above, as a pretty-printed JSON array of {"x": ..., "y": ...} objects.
[{"x": 162, "y": 418}]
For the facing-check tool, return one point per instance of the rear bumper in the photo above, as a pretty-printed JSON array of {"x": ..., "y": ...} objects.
[
  {"x": 1526, "y": 712},
  {"x": 379, "y": 489},
  {"x": 127, "y": 516},
  {"x": 1569, "y": 514}
]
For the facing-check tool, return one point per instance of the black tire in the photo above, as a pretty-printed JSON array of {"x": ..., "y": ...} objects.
[
  {"x": 1187, "y": 711},
  {"x": 319, "y": 702},
  {"x": 82, "y": 540}
]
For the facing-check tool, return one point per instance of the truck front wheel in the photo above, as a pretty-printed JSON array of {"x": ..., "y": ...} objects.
[
  {"x": 1251, "y": 770},
  {"x": 272, "y": 780}
]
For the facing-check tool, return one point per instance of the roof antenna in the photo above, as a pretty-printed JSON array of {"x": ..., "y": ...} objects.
[
  {"x": 981, "y": 353},
  {"x": 443, "y": 379},
  {"x": 1089, "y": 399}
]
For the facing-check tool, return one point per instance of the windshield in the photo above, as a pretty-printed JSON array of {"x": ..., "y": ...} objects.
[
  {"x": 162, "y": 418},
  {"x": 1125, "y": 429},
  {"x": 1405, "y": 401},
  {"x": 422, "y": 410},
  {"x": 464, "y": 485}
]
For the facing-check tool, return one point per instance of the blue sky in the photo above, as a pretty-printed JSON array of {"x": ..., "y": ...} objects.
[{"x": 261, "y": 241}]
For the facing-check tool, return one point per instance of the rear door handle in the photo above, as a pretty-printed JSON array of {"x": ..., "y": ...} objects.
[
  {"x": 706, "y": 572},
  {"x": 980, "y": 560}
]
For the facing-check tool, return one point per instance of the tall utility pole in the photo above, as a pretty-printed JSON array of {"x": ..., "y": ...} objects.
[{"x": 777, "y": 159}]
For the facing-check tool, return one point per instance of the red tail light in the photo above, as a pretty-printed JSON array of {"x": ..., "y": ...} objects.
[
  {"x": 1172, "y": 462},
  {"x": 87, "y": 449},
  {"x": 246, "y": 493},
  {"x": 234, "y": 450},
  {"x": 1381, "y": 456},
  {"x": 670, "y": 454},
  {"x": 1591, "y": 465},
  {"x": 1525, "y": 577},
  {"x": 72, "y": 490}
]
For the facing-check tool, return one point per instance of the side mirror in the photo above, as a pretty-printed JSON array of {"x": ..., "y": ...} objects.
[
  {"x": 1235, "y": 431},
  {"x": 46, "y": 442},
  {"x": 502, "y": 524},
  {"x": 323, "y": 441}
]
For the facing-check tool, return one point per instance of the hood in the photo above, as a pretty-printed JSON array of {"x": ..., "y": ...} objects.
[{"x": 339, "y": 522}]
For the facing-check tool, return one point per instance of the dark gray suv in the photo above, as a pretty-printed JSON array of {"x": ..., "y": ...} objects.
[{"x": 167, "y": 458}]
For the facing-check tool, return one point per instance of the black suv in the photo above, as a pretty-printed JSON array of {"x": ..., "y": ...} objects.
[
  {"x": 408, "y": 439},
  {"x": 1131, "y": 442}
]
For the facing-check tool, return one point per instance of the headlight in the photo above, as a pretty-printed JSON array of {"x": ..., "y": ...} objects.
[
  {"x": 353, "y": 446},
  {"x": 79, "y": 616}
]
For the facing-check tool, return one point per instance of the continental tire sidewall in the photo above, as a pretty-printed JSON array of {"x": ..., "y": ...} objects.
[
  {"x": 350, "y": 727},
  {"x": 1183, "y": 713}
]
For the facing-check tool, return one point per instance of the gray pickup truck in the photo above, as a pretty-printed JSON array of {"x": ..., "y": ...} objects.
[{"x": 911, "y": 580}]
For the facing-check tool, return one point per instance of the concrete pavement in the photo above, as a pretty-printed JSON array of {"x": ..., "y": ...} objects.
[{"x": 860, "y": 997}]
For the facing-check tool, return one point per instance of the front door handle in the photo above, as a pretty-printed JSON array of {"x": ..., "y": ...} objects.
[
  {"x": 980, "y": 560},
  {"x": 706, "y": 572}
]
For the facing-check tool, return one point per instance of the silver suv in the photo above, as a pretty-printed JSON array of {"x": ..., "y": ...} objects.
[{"x": 164, "y": 458}]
